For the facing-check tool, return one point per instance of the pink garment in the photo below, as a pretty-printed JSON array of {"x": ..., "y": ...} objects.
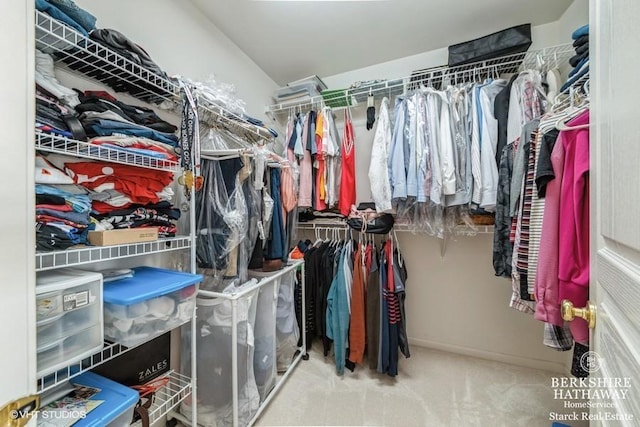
[
  {"x": 547, "y": 284},
  {"x": 573, "y": 268},
  {"x": 306, "y": 170},
  {"x": 287, "y": 189},
  {"x": 563, "y": 263}
]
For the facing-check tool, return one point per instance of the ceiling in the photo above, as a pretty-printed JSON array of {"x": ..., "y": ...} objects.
[{"x": 290, "y": 40}]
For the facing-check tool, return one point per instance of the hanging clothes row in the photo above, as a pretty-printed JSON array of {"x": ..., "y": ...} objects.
[
  {"x": 245, "y": 214},
  {"x": 434, "y": 159},
  {"x": 355, "y": 299},
  {"x": 541, "y": 237},
  {"x": 327, "y": 179}
]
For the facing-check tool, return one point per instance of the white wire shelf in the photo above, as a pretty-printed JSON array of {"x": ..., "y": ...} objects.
[
  {"x": 90, "y": 254},
  {"x": 550, "y": 57},
  {"x": 168, "y": 397},
  {"x": 460, "y": 230},
  {"x": 84, "y": 56},
  {"x": 100, "y": 63},
  {"x": 109, "y": 351},
  {"x": 71, "y": 147}
]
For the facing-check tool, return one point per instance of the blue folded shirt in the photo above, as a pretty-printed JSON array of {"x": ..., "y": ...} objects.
[{"x": 582, "y": 31}]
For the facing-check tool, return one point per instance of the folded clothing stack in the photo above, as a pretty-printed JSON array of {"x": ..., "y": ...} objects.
[
  {"x": 62, "y": 217},
  {"x": 580, "y": 61},
  {"x": 300, "y": 89},
  {"x": 119, "y": 43},
  {"x": 99, "y": 117},
  {"x": 74, "y": 196},
  {"x": 67, "y": 12},
  {"x": 103, "y": 115}
]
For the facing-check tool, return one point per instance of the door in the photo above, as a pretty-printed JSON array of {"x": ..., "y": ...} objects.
[
  {"x": 17, "y": 260},
  {"x": 615, "y": 148}
]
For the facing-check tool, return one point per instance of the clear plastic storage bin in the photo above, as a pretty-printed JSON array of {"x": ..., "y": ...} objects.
[
  {"x": 69, "y": 317},
  {"x": 150, "y": 303},
  {"x": 116, "y": 410}
]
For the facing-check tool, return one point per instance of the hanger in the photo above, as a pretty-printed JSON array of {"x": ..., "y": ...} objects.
[
  {"x": 400, "y": 258},
  {"x": 562, "y": 126}
]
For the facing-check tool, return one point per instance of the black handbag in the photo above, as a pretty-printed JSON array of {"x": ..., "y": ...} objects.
[
  {"x": 365, "y": 219},
  {"x": 506, "y": 42}
]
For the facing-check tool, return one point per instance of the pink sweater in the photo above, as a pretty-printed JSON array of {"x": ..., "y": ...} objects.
[
  {"x": 573, "y": 268},
  {"x": 563, "y": 265}
]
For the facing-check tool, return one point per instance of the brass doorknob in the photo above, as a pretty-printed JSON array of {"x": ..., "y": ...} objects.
[{"x": 588, "y": 313}]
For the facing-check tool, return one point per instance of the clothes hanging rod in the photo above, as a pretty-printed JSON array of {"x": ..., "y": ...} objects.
[{"x": 546, "y": 58}]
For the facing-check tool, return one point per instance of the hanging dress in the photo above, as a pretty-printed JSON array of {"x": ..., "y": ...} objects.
[{"x": 348, "y": 177}]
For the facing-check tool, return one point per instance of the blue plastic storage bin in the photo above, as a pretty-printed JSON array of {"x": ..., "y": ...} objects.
[
  {"x": 117, "y": 408},
  {"x": 150, "y": 303}
]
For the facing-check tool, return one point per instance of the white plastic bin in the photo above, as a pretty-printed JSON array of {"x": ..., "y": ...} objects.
[{"x": 69, "y": 317}]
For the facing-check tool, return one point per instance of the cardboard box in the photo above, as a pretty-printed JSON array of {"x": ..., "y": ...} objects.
[{"x": 121, "y": 237}]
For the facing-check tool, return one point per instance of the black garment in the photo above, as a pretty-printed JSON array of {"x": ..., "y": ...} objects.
[
  {"x": 544, "y": 172},
  {"x": 373, "y": 312},
  {"x": 318, "y": 265},
  {"x": 578, "y": 362},
  {"x": 309, "y": 288},
  {"x": 48, "y": 199},
  {"x": 49, "y": 238},
  {"x": 502, "y": 246},
  {"x": 582, "y": 49},
  {"x": 48, "y": 116},
  {"x": 162, "y": 208},
  {"x": 210, "y": 245},
  {"x": 331, "y": 256},
  {"x": 501, "y": 113},
  {"x": 403, "y": 341},
  {"x": 581, "y": 40},
  {"x": 575, "y": 60},
  {"x": 117, "y": 41},
  {"x": 95, "y": 101}
]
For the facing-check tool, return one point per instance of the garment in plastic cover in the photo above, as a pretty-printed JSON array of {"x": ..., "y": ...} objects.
[{"x": 222, "y": 223}]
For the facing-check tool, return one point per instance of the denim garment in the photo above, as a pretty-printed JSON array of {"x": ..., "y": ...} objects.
[
  {"x": 76, "y": 217},
  {"x": 582, "y": 31},
  {"x": 584, "y": 70},
  {"x": 397, "y": 171},
  {"x": 109, "y": 127},
  {"x": 276, "y": 246},
  {"x": 81, "y": 16},
  {"x": 78, "y": 202},
  {"x": 338, "y": 316},
  {"x": 578, "y": 66},
  {"x": 55, "y": 13}
]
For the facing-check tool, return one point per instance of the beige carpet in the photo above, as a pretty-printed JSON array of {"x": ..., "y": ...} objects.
[{"x": 433, "y": 389}]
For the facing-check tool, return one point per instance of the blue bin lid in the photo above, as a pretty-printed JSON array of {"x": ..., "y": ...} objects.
[
  {"x": 117, "y": 399},
  {"x": 147, "y": 283}
]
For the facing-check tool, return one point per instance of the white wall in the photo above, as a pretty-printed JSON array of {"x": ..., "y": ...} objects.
[
  {"x": 182, "y": 41},
  {"x": 574, "y": 17},
  {"x": 456, "y": 303},
  {"x": 17, "y": 261}
]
